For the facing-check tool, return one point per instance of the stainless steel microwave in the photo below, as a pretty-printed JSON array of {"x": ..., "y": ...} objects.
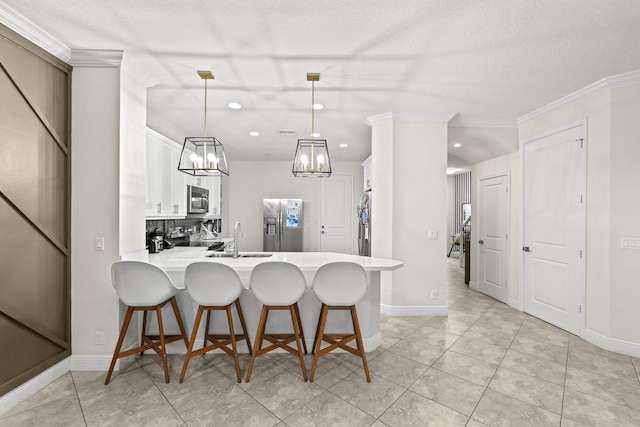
[{"x": 197, "y": 200}]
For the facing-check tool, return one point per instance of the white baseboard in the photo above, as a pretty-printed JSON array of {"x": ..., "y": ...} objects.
[
  {"x": 515, "y": 303},
  {"x": 92, "y": 363},
  {"x": 474, "y": 285},
  {"x": 612, "y": 344},
  {"x": 424, "y": 310},
  {"x": 34, "y": 385}
]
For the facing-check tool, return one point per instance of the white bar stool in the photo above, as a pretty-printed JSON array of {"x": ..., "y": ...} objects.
[
  {"x": 214, "y": 287},
  {"x": 339, "y": 286},
  {"x": 278, "y": 286},
  {"x": 145, "y": 287}
]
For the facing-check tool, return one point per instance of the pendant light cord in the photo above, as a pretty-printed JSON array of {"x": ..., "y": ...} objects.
[
  {"x": 313, "y": 130},
  {"x": 205, "y": 106}
]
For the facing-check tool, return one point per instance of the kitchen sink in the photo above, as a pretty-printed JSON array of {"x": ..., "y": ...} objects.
[{"x": 240, "y": 255}]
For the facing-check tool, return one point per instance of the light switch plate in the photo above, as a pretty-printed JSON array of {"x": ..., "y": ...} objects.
[
  {"x": 630, "y": 243},
  {"x": 99, "y": 243}
]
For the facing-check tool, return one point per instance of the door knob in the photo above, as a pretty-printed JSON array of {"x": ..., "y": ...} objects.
[
  {"x": 526, "y": 249},
  {"x": 481, "y": 242}
]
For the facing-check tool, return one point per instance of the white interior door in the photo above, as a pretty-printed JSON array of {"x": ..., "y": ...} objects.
[
  {"x": 336, "y": 214},
  {"x": 555, "y": 228},
  {"x": 493, "y": 229}
]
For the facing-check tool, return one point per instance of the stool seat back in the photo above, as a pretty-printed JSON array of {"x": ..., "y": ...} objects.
[
  {"x": 340, "y": 283},
  {"x": 212, "y": 284},
  {"x": 277, "y": 283},
  {"x": 141, "y": 284}
]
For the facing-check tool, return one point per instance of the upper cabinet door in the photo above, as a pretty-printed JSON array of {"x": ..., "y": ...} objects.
[{"x": 166, "y": 185}]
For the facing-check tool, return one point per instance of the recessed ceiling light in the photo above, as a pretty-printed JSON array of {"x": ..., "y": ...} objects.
[
  {"x": 457, "y": 145},
  {"x": 235, "y": 106},
  {"x": 317, "y": 106},
  {"x": 315, "y": 135},
  {"x": 254, "y": 133},
  {"x": 343, "y": 145}
]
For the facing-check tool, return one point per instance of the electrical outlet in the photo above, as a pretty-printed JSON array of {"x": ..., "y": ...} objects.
[
  {"x": 434, "y": 294},
  {"x": 432, "y": 234},
  {"x": 99, "y": 337}
]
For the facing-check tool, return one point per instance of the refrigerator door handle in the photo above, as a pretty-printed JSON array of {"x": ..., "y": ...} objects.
[{"x": 279, "y": 228}]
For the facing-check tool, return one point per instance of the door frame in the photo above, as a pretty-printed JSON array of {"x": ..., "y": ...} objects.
[
  {"x": 350, "y": 221},
  {"x": 507, "y": 260},
  {"x": 583, "y": 189}
]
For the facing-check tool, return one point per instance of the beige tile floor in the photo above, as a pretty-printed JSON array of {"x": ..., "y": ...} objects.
[{"x": 484, "y": 364}]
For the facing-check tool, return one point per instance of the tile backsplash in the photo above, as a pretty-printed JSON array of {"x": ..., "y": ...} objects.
[{"x": 176, "y": 228}]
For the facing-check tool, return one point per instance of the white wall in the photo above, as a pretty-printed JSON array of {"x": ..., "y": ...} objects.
[
  {"x": 612, "y": 202},
  {"x": 95, "y": 192},
  {"x": 133, "y": 162},
  {"x": 249, "y": 182},
  {"x": 410, "y": 197},
  {"x": 382, "y": 201},
  {"x": 625, "y": 209},
  {"x": 451, "y": 188},
  {"x": 509, "y": 163}
]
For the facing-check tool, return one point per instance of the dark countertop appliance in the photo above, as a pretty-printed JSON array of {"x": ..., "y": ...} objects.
[{"x": 156, "y": 239}]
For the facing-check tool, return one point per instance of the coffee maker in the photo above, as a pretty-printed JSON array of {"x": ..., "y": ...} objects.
[{"x": 155, "y": 241}]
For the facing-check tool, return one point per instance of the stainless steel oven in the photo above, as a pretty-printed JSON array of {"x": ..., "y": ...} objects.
[{"x": 197, "y": 200}]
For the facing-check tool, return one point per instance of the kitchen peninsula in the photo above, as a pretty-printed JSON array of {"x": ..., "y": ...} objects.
[{"x": 175, "y": 261}]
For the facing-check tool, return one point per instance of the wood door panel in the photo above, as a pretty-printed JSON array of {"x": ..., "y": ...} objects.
[
  {"x": 493, "y": 226},
  {"x": 335, "y": 213},
  {"x": 554, "y": 228},
  {"x": 35, "y": 203}
]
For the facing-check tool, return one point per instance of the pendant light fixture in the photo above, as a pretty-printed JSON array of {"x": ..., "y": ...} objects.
[
  {"x": 312, "y": 155},
  {"x": 203, "y": 155}
]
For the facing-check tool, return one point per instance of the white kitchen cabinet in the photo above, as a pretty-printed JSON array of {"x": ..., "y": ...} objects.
[
  {"x": 212, "y": 183},
  {"x": 179, "y": 186},
  {"x": 367, "y": 172},
  {"x": 166, "y": 185}
]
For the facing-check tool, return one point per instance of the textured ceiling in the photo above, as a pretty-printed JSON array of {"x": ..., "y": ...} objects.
[{"x": 488, "y": 61}]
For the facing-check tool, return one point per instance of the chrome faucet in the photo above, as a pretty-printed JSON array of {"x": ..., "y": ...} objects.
[{"x": 235, "y": 239}]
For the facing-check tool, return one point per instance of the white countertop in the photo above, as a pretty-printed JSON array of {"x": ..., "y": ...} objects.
[{"x": 178, "y": 258}]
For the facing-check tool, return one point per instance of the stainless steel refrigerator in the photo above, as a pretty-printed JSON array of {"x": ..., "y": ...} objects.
[
  {"x": 283, "y": 224},
  {"x": 364, "y": 224}
]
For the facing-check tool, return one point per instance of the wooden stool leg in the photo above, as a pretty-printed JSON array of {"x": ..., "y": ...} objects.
[
  {"x": 257, "y": 343},
  {"x": 194, "y": 333},
  {"x": 206, "y": 327},
  {"x": 233, "y": 342},
  {"x": 123, "y": 332},
  {"x": 296, "y": 327},
  {"x": 319, "y": 334},
  {"x": 144, "y": 329},
  {"x": 315, "y": 339},
  {"x": 244, "y": 326},
  {"x": 356, "y": 328},
  {"x": 162, "y": 345},
  {"x": 304, "y": 343},
  {"x": 176, "y": 311}
]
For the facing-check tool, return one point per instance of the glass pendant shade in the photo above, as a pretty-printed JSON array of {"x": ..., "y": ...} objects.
[
  {"x": 203, "y": 156},
  {"x": 312, "y": 159},
  {"x": 312, "y": 155}
]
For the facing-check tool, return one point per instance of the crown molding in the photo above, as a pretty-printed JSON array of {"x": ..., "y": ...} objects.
[
  {"x": 590, "y": 91},
  {"x": 99, "y": 58},
  {"x": 428, "y": 117},
  {"x": 27, "y": 29},
  {"x": 390, "y": 117},
  {"x": 379, "y": 119},
  {"x": 489, "y": 124}
]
